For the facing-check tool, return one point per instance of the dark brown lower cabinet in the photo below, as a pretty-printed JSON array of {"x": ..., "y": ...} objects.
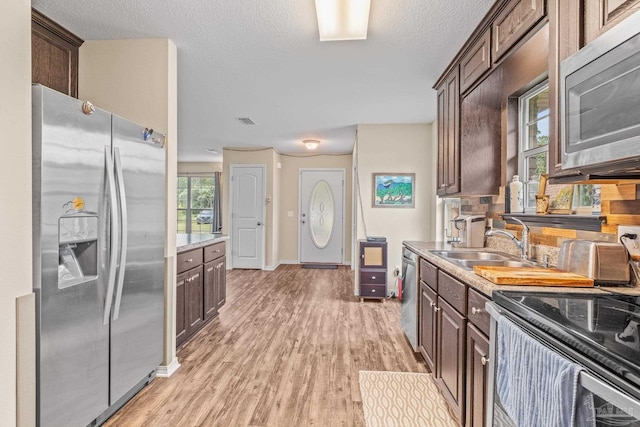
[
  {"x": 428, "y": 325},
  {"x": 194, "y": 294},
  {"x": 477, "y": 374},
  {"x": 221, "y": 282},
  {"x": 215, "y": 287},
  {"x": 451, "y": 350},
  {"x": 181, "y": 313},
  {"x": 200, "y": 290},
  {"x": 210, "y": 298}
]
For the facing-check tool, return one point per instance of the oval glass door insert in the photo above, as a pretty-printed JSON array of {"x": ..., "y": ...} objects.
[{"x": 321, "y": 214}]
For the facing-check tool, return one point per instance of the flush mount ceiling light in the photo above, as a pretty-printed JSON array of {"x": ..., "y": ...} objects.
[
  {"x": 343, "y": 19},
  {"x": 311, "y": 144},
  {"x": 212, "y": 151}
]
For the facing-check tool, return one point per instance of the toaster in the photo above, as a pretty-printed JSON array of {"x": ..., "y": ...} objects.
[{"x": 605, "y": 263}]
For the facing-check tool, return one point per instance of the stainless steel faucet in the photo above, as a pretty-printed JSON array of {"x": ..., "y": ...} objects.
[{"x": 522, "y": 244}]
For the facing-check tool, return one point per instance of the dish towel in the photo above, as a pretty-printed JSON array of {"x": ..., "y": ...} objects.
[{"x": 538, "y": 387}]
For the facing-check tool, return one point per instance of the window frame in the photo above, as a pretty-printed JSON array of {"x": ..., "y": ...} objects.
[
  {"x": 189, "y": 209},
  {"x": 523, "y": 135}
]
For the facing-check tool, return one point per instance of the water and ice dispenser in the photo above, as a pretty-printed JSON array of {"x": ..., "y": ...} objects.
[{"x": 78, "y": 249}]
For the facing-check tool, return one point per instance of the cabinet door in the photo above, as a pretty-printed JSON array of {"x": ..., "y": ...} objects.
[
  {"x": 451, "y": 347},
  {"x": 428, "y": 326},
  {"x": 221, "y": 282},
  {"x": 441, "y": 189},
  {"x": 475, "y": 62},
  {"x": 448, "y": 134},
  {"x": 514, "y": 22},
  {"x": 602, "y": 15},
  {"x": 193, "y": 294},
  {"x": 209, "y": 290},
  {"x": 452, "y": 178},
  {"x": 181, "y": 312},
  {"x": 477, "y": 374},
  {"x": 54, "y": 55}
]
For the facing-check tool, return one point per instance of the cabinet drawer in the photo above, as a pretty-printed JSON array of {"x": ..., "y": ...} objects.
[
  {"x": 375, "y": 291},
  {"x": 374, "y": 277},
  {"x": 429, "y": 274},
  {"x": 453, "y": 292},
  {"x": 214, "y": 251},
  {"x": 188, "y": 260},
  {"x": 476, "y": 312}
]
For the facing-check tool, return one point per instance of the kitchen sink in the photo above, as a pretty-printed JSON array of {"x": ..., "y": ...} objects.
[
  {"x": 469, "y": 259},
  {"x": 468, "y": 255}
]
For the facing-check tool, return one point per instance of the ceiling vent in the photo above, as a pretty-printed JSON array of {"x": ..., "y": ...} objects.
[{"x": 247, "y": 121}]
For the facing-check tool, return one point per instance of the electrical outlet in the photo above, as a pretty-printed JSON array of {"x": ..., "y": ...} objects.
[{"x": 633, "y": 246}]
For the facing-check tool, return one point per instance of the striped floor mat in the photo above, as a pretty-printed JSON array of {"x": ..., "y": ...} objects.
[{"x": 402, "y": 399}]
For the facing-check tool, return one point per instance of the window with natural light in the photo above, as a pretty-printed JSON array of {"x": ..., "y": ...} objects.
[
  {"x": 534, "y": 141},
  {"x": 197, "y": 210}
]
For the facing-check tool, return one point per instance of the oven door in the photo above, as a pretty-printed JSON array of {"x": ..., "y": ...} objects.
[{"x": 612, "y": 406}]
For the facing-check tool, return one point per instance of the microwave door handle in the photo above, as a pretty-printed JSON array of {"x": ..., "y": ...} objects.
[
  {"x": 125, "y": 229},
  {"x": 609, "y": 394},
  {"x": 115, "y": 238}
]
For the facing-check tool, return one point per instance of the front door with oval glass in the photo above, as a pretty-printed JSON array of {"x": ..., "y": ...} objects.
[{"x": 321, "y": 216}]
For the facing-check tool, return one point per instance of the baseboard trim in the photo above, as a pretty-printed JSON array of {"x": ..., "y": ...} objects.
[
  {"x": 168, "y": 370},
  {"x": 271, "y": 267},
  {"x": 289, "y": 261}
]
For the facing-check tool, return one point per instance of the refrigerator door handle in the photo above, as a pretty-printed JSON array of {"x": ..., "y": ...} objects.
[
  {"x": 125, "y": 229},
  {"x": 115, "y": 236}
]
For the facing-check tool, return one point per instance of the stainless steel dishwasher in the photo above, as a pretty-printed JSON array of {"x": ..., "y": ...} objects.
[{"x": 409, "y": 310}]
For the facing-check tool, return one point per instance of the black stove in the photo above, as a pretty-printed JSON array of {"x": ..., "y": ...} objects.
[{"x": 600, "y": 331}]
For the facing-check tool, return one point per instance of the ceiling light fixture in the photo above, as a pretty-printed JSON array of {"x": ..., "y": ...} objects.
[
  {"x": 212, "y": 151},
  {"x": 311, "y": 144},
  {"x": 343, "y": 19}
]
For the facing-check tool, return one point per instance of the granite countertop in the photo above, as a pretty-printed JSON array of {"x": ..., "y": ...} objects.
[
  {"x": 185, "y": 242},
  {"x": 486, "y": 287}
]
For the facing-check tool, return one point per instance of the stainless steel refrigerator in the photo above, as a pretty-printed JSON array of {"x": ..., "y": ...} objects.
[{"x": 98, "y": 219}]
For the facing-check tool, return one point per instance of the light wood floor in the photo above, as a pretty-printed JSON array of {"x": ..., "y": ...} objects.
[{"x": 284, "y": 351}]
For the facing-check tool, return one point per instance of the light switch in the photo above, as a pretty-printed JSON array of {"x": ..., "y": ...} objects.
[{"x": 290, "y": 214}]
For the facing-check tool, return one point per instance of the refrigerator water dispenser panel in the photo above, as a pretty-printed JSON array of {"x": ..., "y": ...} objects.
[{"x": 78, "y": 250}]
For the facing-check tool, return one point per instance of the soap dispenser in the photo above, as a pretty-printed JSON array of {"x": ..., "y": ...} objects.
[{"x": 517, "y": 195}]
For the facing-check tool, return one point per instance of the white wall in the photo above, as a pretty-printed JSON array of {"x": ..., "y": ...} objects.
[
  {"x": 15, "y": 193},
  {"x": 396, "y": 149},
  {"x": 137, "y": 79}
]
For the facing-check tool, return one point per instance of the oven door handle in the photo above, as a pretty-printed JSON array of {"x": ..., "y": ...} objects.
[{"x": 609, "y": 394}]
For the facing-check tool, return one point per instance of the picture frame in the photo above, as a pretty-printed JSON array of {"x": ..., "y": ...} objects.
[
  {"x": 393, "y": 190},
  {"x": 560, "y": 197}
]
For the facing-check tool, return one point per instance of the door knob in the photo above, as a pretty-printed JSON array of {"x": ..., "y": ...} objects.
[
  {"x": 259, "y": 223},
  {"x": 303, "y": 221}
]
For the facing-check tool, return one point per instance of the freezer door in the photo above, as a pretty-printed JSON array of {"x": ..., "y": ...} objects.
[
  {"x": 137, "y": 331},
  {"x": 70, "y": 244}
]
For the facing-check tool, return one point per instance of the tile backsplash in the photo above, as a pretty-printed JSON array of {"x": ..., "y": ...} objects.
[{"x": 620, "y": 206}]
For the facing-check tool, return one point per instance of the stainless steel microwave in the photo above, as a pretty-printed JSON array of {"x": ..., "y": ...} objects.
[{"x": 600, "y": 100}]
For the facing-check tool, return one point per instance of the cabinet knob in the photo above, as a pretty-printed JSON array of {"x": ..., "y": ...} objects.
[
  {"x": 432, "y": 304},
  {"x": 373, "y": 277},
  {"x": 190, "y": 260},
  {"x": 484, "y": 360},
  {"x": 436, "y": 309},
  {"x": 475, "y": 310}
]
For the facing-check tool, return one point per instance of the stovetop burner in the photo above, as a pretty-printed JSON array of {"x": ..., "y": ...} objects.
[{"x": 602, "y": 327}]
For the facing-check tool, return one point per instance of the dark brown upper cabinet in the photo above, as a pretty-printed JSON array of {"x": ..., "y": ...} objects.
[
  {"x": 54, "y": 55},
  {"x": 513, "y": 23},
  {"x": 476, "y": 62},
  {"x": 602, "y": 15},
  {"x": 448, "y": 181}
]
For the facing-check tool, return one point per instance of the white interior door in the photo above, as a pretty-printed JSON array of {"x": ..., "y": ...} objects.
[
  {"x": 321, "y": 231},
  {"x": 247, "y": 216}
]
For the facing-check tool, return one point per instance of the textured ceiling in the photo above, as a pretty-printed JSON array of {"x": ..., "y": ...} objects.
[{"x": 262, "y": 59}]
